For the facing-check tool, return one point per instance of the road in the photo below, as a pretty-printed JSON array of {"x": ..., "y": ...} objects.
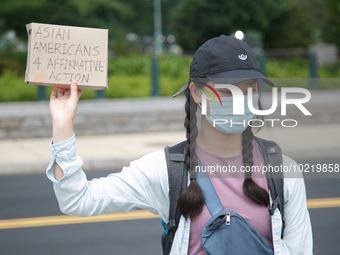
[{"x": 28, "y": 196}]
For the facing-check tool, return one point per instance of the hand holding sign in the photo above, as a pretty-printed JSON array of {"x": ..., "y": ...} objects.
[{"x": 64, "y": 106}]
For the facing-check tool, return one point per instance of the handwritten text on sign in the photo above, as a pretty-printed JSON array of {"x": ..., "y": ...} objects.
[{"x": 66, "y": 60}]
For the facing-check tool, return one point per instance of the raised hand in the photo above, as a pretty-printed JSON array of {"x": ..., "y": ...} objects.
[{"x": 64, "y": 107}]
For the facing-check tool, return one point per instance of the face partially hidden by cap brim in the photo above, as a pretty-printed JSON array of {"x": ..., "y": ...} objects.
[{"x": 230, "y": 77}]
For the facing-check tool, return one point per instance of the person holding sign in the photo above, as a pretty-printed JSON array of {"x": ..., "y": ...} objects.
[{"x": 285, "y": 229}]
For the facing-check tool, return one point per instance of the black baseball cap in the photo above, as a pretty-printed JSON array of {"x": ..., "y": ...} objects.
[{"x": 227, "y": 59}]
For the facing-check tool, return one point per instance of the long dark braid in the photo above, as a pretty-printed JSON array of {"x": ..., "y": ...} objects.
[
  {"x": 190, "y": 202},
  {"x": 251, "y": 189}
]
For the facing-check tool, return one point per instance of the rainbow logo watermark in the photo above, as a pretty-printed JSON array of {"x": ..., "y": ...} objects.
[{"x": 209, "y": 93}]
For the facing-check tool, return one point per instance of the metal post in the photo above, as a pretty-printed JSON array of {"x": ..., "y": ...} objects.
[
  {"x": 41, "y": 93},
  {"x": 100, "y": 94},
  {"x": 158, "y": 27},
  {"x": 262, "y": 60},
  {"x": 313, "y": 68},
  {"x": 154, "y": 75},
  {"x": 158, "y": 46}
]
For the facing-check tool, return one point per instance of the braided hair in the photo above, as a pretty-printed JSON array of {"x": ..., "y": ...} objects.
[
  {"x": 190, "y": 202},
  {"x": 250, "y": 188}
]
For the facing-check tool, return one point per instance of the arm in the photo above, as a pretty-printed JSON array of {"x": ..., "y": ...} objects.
[
  {"x": 63, "y": 110},
  {"x": 298, "y": 232},
  {"x": 142, "y": 185},
  {"x": 61, "y": 132}
]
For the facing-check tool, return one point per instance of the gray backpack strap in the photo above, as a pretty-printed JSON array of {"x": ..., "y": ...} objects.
[
  {"x": 211, "y": 198},
  {"x": 178, "y": 178},
  {"x": 272, "y": 155}
]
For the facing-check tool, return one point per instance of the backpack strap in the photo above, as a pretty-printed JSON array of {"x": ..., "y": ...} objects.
[
  {"x": 272, "y": 155},
  {"x": 211, "y": 198},
  {"x": 178, "y": 178}
]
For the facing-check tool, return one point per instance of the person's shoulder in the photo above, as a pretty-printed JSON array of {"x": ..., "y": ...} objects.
[
  {"x": 288, "y": 160},
  {"x": 293, "y": 178},
  {"x": 152, "y": 158},
  {"x": 290, "y": 168},
  {"x": 151, "y": 164}
]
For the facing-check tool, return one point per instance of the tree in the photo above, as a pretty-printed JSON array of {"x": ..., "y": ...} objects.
[
  {"x": 119, "y": 16},
  {"x": 332, "y": 22},
  {"x": 100, "y": 13},
  {"x": 298, "y": 27},
  {"x": 196, "y": 21},
  {"x": 14, "y": 15},
  {"x": 293, "y": 28}
]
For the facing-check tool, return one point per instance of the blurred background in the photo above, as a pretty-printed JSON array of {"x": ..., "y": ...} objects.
[
  {"x": 284, "y": 34},
  {"x": 151, "y": 46}
]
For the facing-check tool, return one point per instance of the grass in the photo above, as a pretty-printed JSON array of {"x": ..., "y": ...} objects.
[{"x": 131, "y": 77}]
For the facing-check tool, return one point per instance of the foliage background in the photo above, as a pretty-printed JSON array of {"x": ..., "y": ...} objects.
[
  {"x": 129, "y": 76},
  {"x": 267, "y": 24}
]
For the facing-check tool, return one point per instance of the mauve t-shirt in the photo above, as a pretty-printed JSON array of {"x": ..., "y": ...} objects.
[{"x": 230, "y": 192}]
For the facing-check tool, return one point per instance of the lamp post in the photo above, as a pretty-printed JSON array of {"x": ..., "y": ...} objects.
[
  {"x": 41, "y": 93},
  {"x": 262, "y": 60},
  {"x": 157, "y": 45},
  {"x": 158, "y": 27},
  {"x": 313, "y": 69}
]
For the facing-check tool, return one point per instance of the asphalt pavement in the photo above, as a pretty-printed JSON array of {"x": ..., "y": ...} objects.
[
  {"x": 26, "y": 197},
  {"x": 26, "y": 193}
]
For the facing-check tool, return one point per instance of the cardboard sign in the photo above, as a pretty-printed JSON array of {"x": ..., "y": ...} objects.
[{"x": 57, "y": 55}]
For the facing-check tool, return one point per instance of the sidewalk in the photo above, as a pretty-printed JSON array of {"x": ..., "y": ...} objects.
[
  {"x": 104, "y": 152},
  {"x": 139, "y": 115}
]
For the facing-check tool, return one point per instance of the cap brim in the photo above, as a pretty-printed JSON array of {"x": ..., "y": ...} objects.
[
  {"x": 236, "y": 76},
  {"x": 181, "y": 90},
  {"x": 232, "y": 77}
]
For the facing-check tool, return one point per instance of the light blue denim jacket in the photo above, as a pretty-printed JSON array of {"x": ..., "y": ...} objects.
[{"x": 144, "y": 185}]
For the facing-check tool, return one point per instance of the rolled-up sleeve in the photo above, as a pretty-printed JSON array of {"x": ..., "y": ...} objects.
[
  {"x": 142, "y": 185},
  {"x": 65, "y": 155}
]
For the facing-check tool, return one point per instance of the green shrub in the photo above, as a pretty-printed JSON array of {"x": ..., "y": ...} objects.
[
  {"x": 172, "y": 66},
  {"x": 287, "y": 68},
  {"x": 13, "y": 88},
  {"x": 330, "y": 71},
  {"x": 120, "y": 86},
  {"x": 131, "y": 77},
  {"x": 131, "y": 65}
]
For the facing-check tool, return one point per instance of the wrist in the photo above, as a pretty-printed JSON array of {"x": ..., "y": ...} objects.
[
  {"x": 62, "y": 121},
  {"x": 62, "y": 130}
]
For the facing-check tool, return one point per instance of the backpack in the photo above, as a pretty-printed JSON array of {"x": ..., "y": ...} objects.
[
  {"x": 178, "y": 180},
  {"x": 239, "y": 235}
]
